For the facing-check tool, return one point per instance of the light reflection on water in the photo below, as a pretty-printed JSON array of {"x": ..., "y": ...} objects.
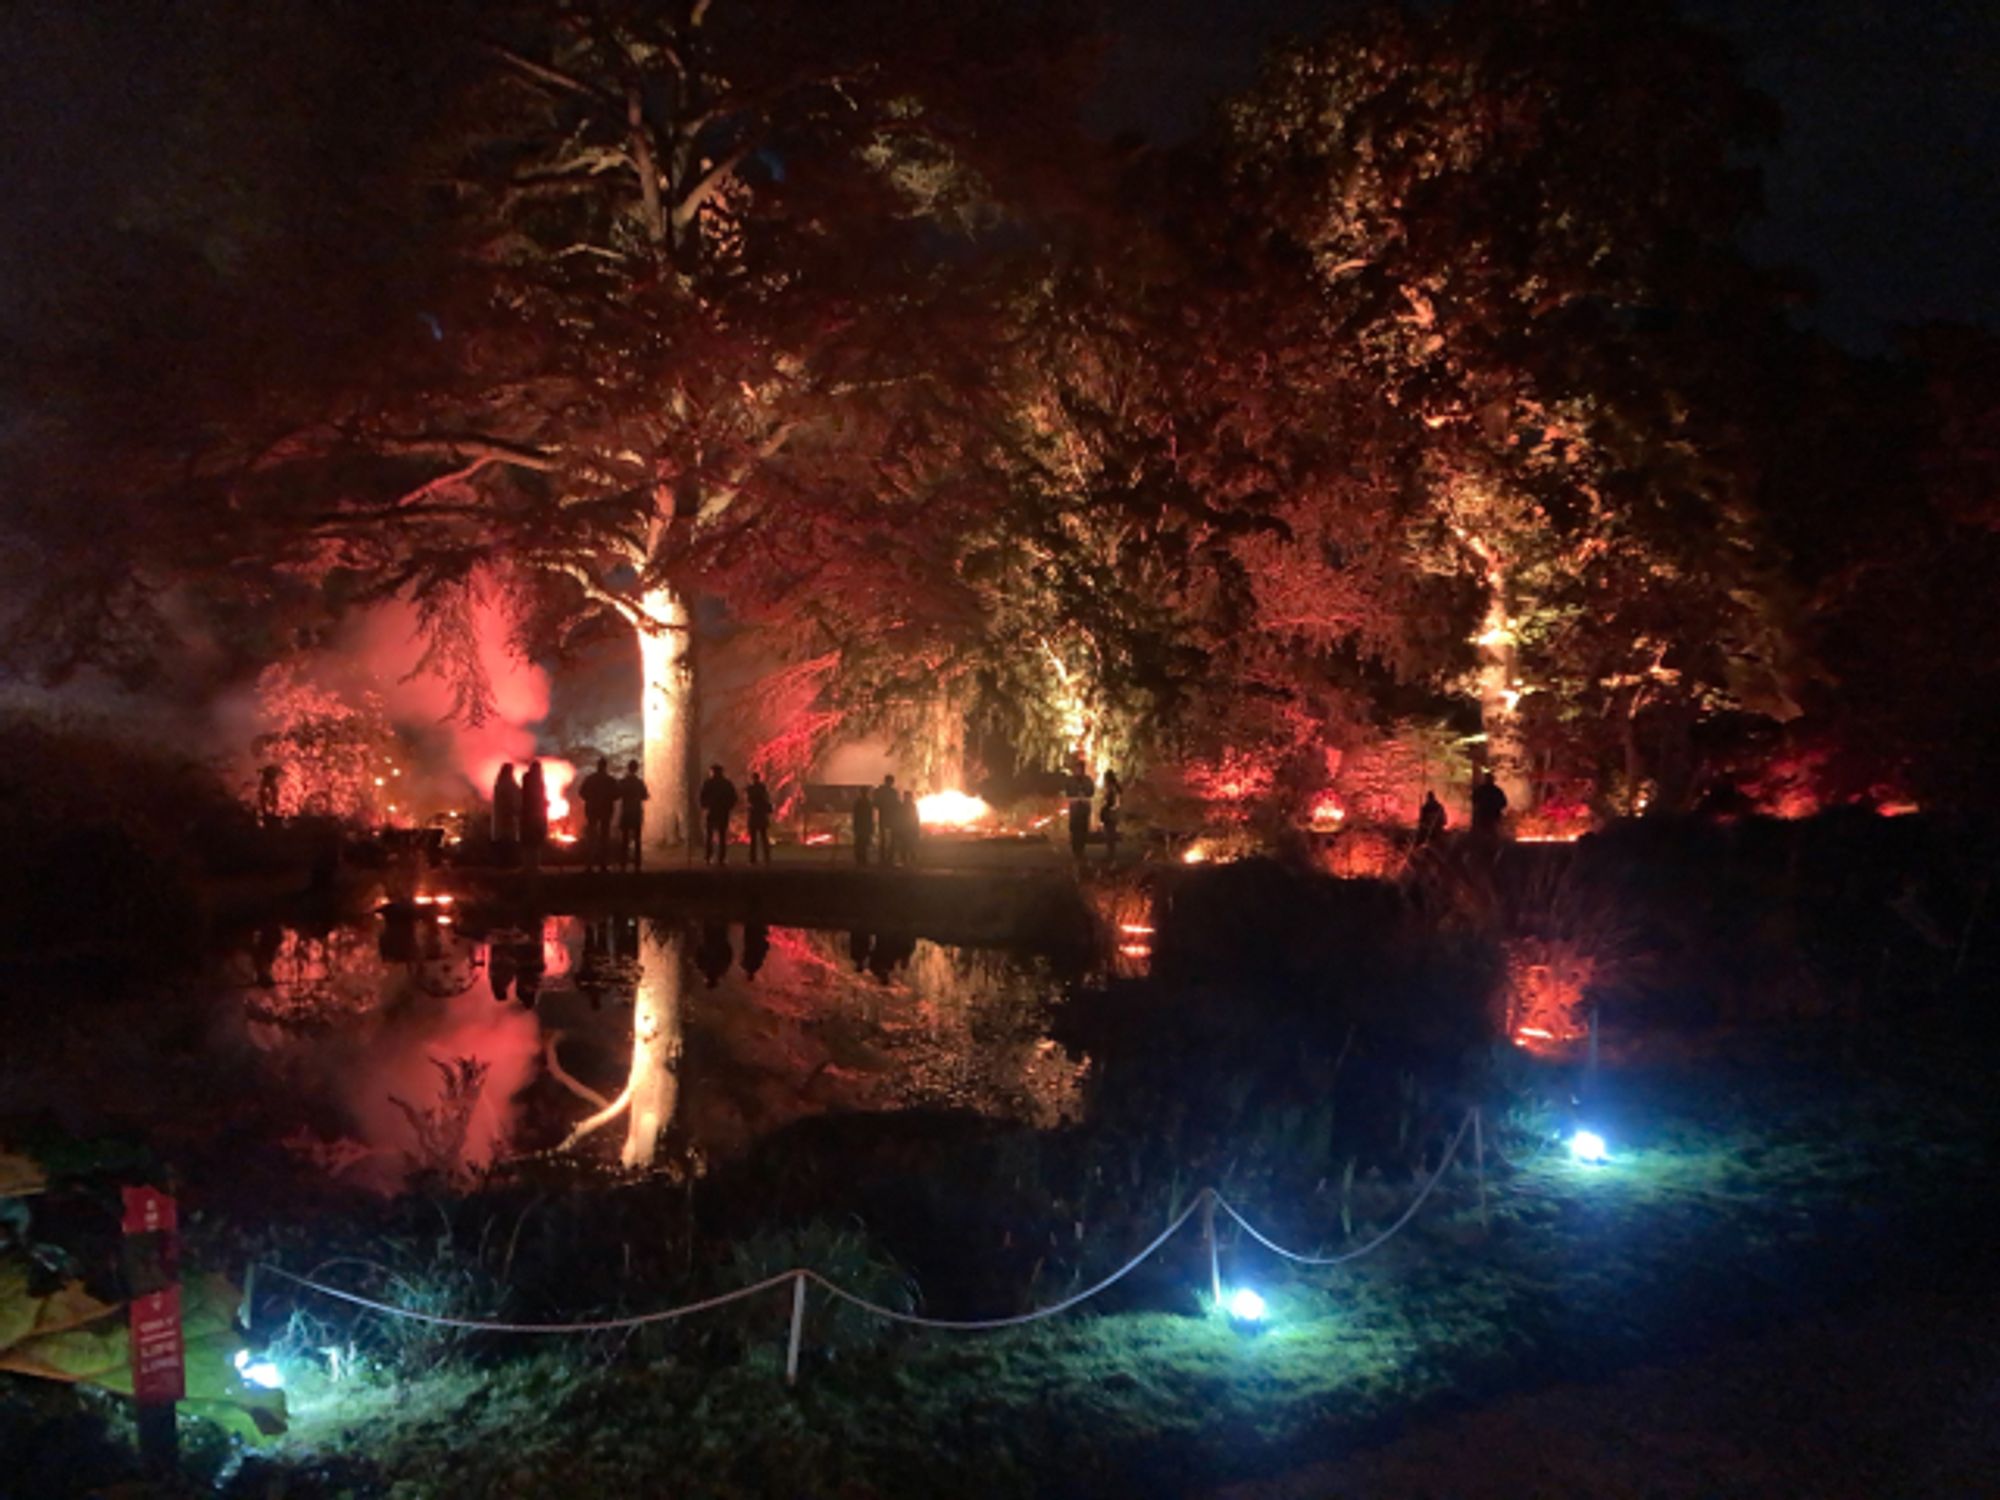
[{"x": 448, "y": 1047}]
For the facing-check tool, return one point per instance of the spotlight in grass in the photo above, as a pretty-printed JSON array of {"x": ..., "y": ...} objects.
[
  {"x": 1587, "y": 1146},
  {"x": 1244, "y": 1306},
  {"x": 259, "y": 1371}
]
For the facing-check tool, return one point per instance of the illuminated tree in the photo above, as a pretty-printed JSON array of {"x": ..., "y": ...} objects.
[
  {"x": 695, "y": 282},
  {"x": 1515, "y": 215}
]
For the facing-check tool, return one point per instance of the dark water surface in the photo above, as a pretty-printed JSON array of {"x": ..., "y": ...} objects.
[{"x": 431, "y": 1040}]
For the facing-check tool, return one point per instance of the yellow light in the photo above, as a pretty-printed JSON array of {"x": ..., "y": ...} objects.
[{"x": 950, "y": 809}]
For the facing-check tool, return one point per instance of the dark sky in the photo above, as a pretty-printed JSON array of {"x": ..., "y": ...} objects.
[{"x": 1885, "y": 187}]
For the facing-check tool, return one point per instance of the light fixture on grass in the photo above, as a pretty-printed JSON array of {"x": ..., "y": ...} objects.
[
  {"x": 1245, "y": 1308},
  {"x": 262, "y": 1372},
  {"x": 1587, "y": 1146}
]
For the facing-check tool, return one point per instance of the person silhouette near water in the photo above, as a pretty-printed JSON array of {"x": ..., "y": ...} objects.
[
  {"x": 1109, "y": 813},
  {"x": 863, "y": 813},
  {"x": 757, "y": 814},
  {"x": 888, "y": 812},
  {"x": 1430, "y": 820},
  {"x": 713, "y": 955},
  {"x": 534, "y": 815},
  {"x": 598, "y": 792},
  {"x": 506, "y": 813},
  {"x": 909, "y": 828},
  {"x": 632, "y": 796},
  {"x": 718, "y": 801},
  {"x": 1489, "y": 806},
  {"x": 1079, "y": 788}
]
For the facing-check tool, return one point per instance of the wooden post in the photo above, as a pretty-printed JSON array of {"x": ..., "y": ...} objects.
[
  {"x": 798, "y": 1328},
  {"x": 1479, "y": 1160},
  {"x": 152, "y": 1276},
  {"x": 1214, "y": 1253}
]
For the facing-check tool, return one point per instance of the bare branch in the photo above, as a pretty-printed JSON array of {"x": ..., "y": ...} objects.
[
  {"x": 547, "y": 76},
  {"x": 711, "y": 182}
]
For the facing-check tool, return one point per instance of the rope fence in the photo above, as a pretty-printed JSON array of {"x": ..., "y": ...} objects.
[{"x": 1205, "y": 1202}]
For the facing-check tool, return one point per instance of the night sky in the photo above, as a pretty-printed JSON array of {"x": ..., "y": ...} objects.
[{"x": 1886, "y": 188}]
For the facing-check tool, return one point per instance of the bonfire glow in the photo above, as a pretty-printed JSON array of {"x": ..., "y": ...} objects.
[
  {"x": 951, "y": 809},
  {"x": 1194, "y": 854},
  {"x": 1327, "y": 812}
]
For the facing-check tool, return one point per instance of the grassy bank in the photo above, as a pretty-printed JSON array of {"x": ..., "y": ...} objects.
[{"x": 1749, "y": 1190}]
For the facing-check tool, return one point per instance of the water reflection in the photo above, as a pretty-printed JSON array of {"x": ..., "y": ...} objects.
[{"x": 444, "y": 1046}]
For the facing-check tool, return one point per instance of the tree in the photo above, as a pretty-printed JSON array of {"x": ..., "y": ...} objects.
[
  {"x": 1517, "y": 215},
  {"x": 693, "y": 298}
]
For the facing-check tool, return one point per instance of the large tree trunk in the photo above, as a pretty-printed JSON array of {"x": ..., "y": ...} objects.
[
  {"x": 654, "y": 1086},
  {"x": 1500, "y": 689},
  {"x": 667, "y": 713}
]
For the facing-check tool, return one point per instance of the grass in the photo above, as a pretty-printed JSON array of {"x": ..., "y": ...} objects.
[{"x": 1739, "y": 1198}]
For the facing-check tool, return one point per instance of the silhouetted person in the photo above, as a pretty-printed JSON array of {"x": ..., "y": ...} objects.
[
  {"x": 909, "y": 829},
  {"x": 713, "y": 955},
  {"x": 270, "y": 781},
  {"x": 1431, "y": 820},
  {"x": 500, "y": 972},
  {"x": 888, "y": 810},
  {"x": 860, "y": 945},
  {"x": 863, "y": 813},
  {"x": 890, "y": 953},
  {"x": 1109, "y": 812},
  {"x": 1079, "y": 788},
  {"x": 506, "y": 813},
  {"x": 534, "y": 815},
  {"x": 598, "y": 792},
  {"x": 1489, "y": 806},
  {"x": 757, "y": 813},
  {"x": 718, "y": 801},
  {"x": 756, "y": 947},
  {"x": 632, "y": 796}
]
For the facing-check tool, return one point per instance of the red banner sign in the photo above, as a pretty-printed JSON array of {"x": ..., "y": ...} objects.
[
  {"x": 152, "y": 1272},
  {"x": 157, "y": 1370},
  {"x": 150, "y": 1211}
]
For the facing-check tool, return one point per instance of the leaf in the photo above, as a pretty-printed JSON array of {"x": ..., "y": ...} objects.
[
  {"x": 20, "y": 1175},
  {"x": 73, "y": 1337}
]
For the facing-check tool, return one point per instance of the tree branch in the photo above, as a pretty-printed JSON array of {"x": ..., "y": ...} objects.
[
  {"x": 547, "y": 76},
  {"x": 710, "y": 183}
]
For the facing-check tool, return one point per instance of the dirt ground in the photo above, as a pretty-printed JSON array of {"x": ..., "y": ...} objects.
[{"x": 1900, "y": 1399}]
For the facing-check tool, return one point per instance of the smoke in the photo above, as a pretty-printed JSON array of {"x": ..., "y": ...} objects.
[{"x": 377, "y": 654}]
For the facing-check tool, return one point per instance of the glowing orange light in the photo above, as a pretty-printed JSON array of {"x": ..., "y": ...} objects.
[
  {"x": 951, "y": 809},
  {"x": 1138, "y": 929},
  {"x": 1897, "y": 809},
  {"x": 1135, "y": 950},
  {"x": 819, "y": 838},
  {"x": 1194, "y": 854}
]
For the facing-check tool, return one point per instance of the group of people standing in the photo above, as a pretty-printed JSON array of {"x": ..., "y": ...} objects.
[
  {"x": 521, "y": 814},
  {"x": 887, "y": 823},
  {"x": 1080, "y": 789},
  {"x": 718, "y": 803},
  {"x": 604, "y": 797}
]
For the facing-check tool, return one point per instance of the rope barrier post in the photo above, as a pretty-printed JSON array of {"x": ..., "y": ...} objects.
[
  {"x": 1214, "y": 1253},
  {"x": 798, "y": 1328},
  {"x": 1479, "y": 1161}
]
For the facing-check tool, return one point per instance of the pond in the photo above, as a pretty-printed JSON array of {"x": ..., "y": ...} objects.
[{"x": 432, "y": 1039}]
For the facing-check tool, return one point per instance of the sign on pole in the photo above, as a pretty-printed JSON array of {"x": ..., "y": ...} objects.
[{"x": 152, "y": 1275}]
